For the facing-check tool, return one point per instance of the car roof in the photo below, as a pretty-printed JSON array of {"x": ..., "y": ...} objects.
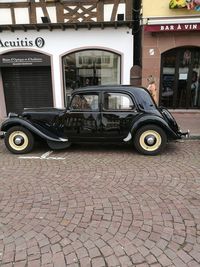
[{"x": 129, "y": 88}]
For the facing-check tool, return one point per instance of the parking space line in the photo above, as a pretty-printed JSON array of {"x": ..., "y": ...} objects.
[{"x": 44, "y": 156}]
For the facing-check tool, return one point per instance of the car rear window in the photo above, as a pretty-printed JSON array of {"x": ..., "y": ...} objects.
[
  {"x": 117, "y": 101},
  {"x": 144, "y": 100}
]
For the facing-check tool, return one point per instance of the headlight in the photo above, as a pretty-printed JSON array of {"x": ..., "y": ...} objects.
[{"x": 12, "y": 115}]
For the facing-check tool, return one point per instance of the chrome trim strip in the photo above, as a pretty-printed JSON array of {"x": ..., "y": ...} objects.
[
  {"x": 2, "y": 134},
  {"x": 63, "y": 139},
  {"x": 128, "y": 138}
]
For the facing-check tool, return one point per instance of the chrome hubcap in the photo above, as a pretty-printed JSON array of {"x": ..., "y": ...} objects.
[
  {"x": 19, "y": 140},
  {"x": 150, "y": 140}
]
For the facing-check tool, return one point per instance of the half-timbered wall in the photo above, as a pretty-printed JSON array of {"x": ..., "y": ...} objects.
[{"x": 31, "y": 12}]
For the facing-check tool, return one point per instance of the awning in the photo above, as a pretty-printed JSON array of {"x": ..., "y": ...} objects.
[{"x": 175, "y": 24}]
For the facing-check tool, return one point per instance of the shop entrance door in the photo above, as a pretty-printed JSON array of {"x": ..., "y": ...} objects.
[
  {"x": 180, "y": 78},
  {"x": 28, "y": 87}
]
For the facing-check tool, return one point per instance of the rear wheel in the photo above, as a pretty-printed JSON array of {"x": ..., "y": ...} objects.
[
  {"x": 19, "y": 140},
  {"x": 150, "y": 140}
]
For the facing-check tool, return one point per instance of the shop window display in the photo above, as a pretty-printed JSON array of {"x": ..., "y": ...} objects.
[
  {"x": 180, "y": 78},
  {"x": 90, "y": 67}
]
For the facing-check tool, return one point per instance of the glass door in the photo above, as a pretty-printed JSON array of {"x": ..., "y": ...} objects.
[{"x": 180, "y": 78}]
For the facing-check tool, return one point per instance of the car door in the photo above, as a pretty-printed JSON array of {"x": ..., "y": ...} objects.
[
  {"x": 118, "y": 114},
  {"x": 82, "y": 121}
]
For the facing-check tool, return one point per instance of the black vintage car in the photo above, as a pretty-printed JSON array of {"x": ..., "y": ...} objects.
[{"x": 95, "y": 114}]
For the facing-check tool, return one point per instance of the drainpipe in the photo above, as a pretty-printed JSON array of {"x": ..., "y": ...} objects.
[
  {"x": 137, "y": 32},
  {"x": 136, "y": 70}
]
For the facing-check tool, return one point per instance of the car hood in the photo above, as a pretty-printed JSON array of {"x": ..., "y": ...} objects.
[
  {"x": 42, "y": 114},
  {"x": 38, "y": 111}
]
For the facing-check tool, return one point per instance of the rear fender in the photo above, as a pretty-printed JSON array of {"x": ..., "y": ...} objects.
[
  {"x": 158, "y": 121},
  {"x": 37, "y": 130}
]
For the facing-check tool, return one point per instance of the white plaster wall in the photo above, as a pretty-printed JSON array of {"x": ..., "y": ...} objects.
[{"x": 59, "y": 43}]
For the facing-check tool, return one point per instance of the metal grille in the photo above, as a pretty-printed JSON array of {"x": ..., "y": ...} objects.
[{"x": 28, "y": 87}]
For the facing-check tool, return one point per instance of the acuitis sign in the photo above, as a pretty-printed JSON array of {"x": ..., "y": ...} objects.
[{"x": 18, "y": 42}]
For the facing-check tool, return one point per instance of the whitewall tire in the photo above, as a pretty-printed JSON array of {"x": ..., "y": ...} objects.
[
  {"x": 19, "y": 140},
  {"x": 150, "y": 140}
]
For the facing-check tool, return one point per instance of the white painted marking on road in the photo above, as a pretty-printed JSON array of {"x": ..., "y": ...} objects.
[
  {"x": 56, "y": 158},
  {"x": 28, "y": 157},
  {"x": 44, "y": 156}
]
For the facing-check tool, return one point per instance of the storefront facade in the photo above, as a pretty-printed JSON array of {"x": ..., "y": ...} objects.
[
  {"x": 171, "y": 56},
  {"x": 49, "y": 48},
  {"x": 41, "y": 68}
]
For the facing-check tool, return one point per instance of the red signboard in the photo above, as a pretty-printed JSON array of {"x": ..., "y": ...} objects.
[{"x": 172, "y": 27}]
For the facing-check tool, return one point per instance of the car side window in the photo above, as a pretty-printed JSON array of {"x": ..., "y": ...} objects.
[
  {"x": 118, "y": 101},
  {"x": 85, "y": 102}
]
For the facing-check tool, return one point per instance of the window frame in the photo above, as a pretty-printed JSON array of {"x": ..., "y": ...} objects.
[
  {"x": 118, "y": 110},
  {"x": 82, "y": 95}
]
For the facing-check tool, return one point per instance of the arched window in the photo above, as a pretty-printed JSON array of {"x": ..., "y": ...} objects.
[
  {"x": 90, "y": 67},
  {"x": 180, "y": 78}
]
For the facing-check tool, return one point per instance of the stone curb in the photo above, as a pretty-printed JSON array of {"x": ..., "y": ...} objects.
[{"x": 194, "y": 137}]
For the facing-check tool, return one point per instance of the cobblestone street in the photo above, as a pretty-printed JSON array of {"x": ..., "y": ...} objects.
[{"x": 100, "y": 205}]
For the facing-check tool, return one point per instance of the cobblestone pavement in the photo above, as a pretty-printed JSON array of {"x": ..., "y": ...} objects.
[{"x": 100, "y": 205}]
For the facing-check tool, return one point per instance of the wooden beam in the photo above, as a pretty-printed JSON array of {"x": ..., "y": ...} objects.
[
  {"x": 62, "y": 27},
  {"x": 102, "y": 26},
  {"x": 129, "y": 10},
  {"x": 114, "y": 11},
  {"x": 13, "y": 15},
  {"x": 10, "y": 28},
  {"x": 75, "y": 26},
  {"x": 100, "y": 11},
  {"x": 36, "y": 28},
  {"x": 59, "y": 12},
  {"x": 21, "y": 4},
  {"x": 32, "y": 13},
  {"x": 44, "y": 9},
  {"x": 24, "y": 28}
]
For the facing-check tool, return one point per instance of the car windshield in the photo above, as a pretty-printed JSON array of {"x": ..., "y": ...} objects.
[{"x": 145, "y": 101}]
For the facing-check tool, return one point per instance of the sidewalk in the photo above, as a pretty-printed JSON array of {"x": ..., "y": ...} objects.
[{"x": 188, "y": 120}]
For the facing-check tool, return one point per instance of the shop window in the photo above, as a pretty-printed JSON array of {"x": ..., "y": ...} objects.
[
  {"x": 90, "y": 67},
  {"x": 180, "y": 78}
]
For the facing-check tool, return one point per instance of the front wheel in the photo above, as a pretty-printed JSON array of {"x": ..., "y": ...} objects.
[
  {"x": 19, "y": 140},
  {"x": 150, "y": 140}
]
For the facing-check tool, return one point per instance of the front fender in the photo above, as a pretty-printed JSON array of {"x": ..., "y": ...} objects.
[
  {"x": 34, "y": 128},
  {"x": 148, "y": 119}
]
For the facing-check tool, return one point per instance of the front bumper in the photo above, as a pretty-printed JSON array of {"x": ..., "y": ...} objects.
[
  {"x": 2, "y": 134},
  {"x": 184, "y": 134}
]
